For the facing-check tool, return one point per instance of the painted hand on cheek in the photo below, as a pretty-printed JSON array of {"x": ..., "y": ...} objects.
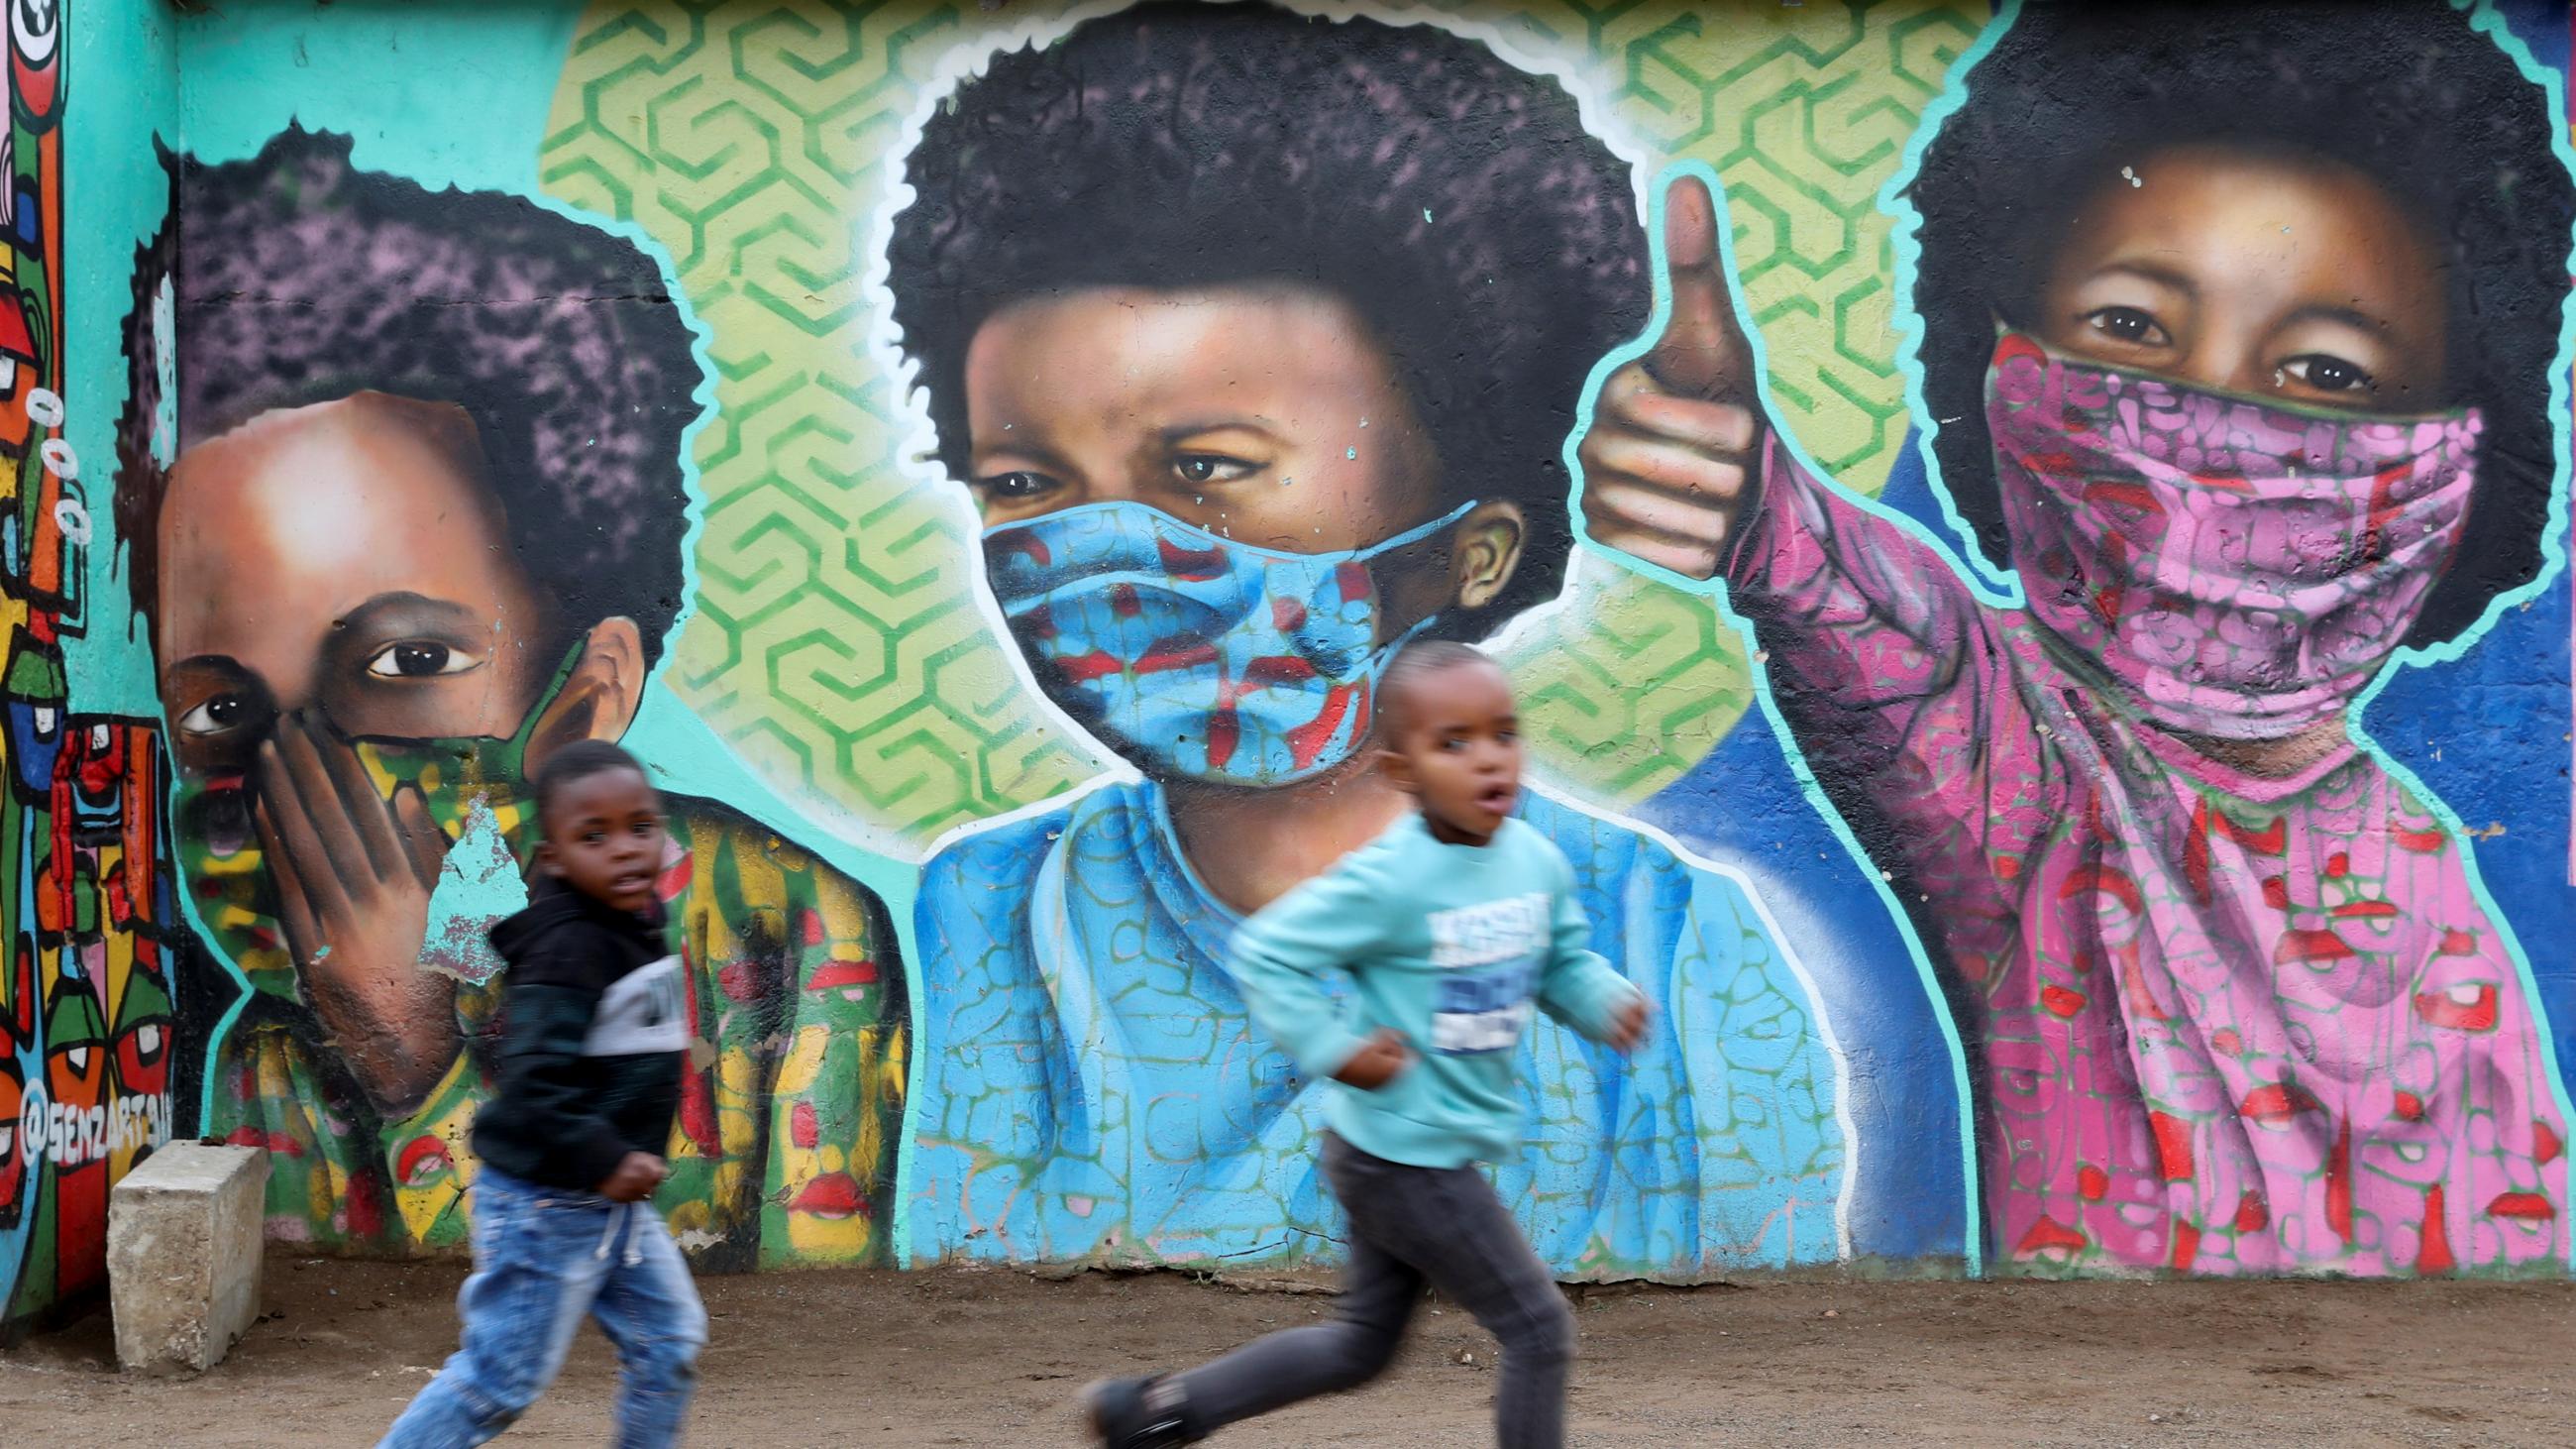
[
  {"x": 1673, "y": 448},
  {"x": 353, "y": 875}
]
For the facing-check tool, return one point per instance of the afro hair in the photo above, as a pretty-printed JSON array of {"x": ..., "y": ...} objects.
[
  {"x": 1454, "y": 202},
  {"x": 303, "y": 279},
  {"x": 2407, "y": 93}
]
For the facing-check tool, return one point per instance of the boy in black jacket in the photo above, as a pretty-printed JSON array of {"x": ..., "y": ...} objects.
[{"x": 594, "y": 1030}]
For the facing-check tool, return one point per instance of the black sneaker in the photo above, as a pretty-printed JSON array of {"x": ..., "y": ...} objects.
[{"x": 1137, "y": 1414}]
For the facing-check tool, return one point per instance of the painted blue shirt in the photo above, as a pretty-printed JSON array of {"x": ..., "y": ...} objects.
[{"x": 1093, "y": 1088}]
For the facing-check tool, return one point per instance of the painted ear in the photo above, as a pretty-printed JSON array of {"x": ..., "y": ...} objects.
[
  {"x": 1485, "y": 551},
  {"x": 600, "y": 699}
]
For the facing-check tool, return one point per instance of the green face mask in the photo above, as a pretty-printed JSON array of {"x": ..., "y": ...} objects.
[{"x": 477, "y": 793}]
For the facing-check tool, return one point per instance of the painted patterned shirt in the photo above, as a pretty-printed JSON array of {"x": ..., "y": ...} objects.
[
  {"x": 1094, "y": 1090},
  {"x": 791, "y": 1105},
  {"x": 2227, "y": 1024}
]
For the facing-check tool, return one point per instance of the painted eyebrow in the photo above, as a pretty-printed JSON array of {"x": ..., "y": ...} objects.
[
  {"x": 1018, "y": 445},
  {"x": 211, "y": 664},
  {"x": 444, "y": 611},
  {"x": 2150, "y": 272},
  {"x": 1249, "y": 424},
  {"x": 2348, "y": 316},
  {"x": 2312, "y": 312}
]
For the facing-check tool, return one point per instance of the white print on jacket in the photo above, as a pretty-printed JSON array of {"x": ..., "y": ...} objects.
[
  {"x": 1494, "y": 949},
  {"x": 640, "y": 1012}
]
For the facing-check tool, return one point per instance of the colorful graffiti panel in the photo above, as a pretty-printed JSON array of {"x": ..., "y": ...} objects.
[
  {"x": 2234, "y": 997},
  {"x": 1206, "y": 554},
  {"x": 1629, "y": 681},
  {"x": 90, "y": 1067},
  {"x": 418, "y": 524}
]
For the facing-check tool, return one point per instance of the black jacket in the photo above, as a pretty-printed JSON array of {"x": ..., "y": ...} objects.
[{"x": 594, "y": 1030}]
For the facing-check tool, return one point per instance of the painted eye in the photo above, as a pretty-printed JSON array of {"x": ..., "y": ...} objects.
[
  {"x": 1200, "y": 469},
  {"x": 2129, "y": 325},
  {"x": 1013, "y": 487},
  {"x": 420, "y": 659},
  {"x": 217, "y": 714},
  {"x": 2325, "y": 372}
]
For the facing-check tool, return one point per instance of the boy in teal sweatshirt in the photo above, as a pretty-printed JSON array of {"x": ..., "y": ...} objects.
[{"x": 1450, "y": 926}]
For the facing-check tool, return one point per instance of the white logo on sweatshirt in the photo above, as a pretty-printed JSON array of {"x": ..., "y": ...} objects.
[
  {"x": 640, "y": 1012},
  {"x": 1492, "y": 951}
]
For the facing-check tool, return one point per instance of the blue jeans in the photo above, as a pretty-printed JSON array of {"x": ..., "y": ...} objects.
[{"x": 543, "y": 1257}]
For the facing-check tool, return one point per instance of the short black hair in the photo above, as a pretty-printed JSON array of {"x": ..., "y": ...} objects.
[
  {"x": 1415, "y": 665},
  {"x": 1455, "y": 202},
  {"x": 2406, "y": 92},
  {"x": 573, "y": 763},
  {"x": 304, "y": 279}
]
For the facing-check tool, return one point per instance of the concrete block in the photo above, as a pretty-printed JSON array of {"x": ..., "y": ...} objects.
[{"x": 183, "y": 1255}]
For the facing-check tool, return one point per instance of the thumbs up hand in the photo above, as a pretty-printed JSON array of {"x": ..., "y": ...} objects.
[{"x": 1673, "y": 449}]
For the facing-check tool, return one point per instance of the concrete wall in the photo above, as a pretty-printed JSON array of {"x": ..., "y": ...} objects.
[
  {"x": 2074, "y": 741},
  {"x": 91, "y": 1077}
]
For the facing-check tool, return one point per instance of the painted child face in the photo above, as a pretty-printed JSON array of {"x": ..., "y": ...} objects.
[
  {"x": 342, "y": 626},
  {"x": 1238, "y": 646},
  {"x": 343, "y": 559},
  {"x": 2266, "y": 275},
  {"x": 1457, "y": 749},
  {"x": 1265, "y": 414}
]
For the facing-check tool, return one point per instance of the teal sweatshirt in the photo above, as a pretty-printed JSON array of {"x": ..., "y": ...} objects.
[{"x": 1447, "y": 944}]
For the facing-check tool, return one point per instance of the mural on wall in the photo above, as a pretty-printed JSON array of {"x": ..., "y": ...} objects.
[
  {"x": 2252, "y": 391},
  {"x": 836, "y": 641},
  {"x": 88, "y": 1076},
  {"x": 2015, "y": 709},
  {"x": 843, "y": 641},
  {"x": 401, "y": 492},
  {"x": 1234, "y": 440}
]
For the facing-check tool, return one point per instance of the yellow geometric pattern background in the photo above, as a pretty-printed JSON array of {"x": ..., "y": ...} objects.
[{"x": 835, "y": 642}]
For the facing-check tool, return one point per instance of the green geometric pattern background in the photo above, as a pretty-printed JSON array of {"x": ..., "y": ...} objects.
[{"x": 835, "y": 643}]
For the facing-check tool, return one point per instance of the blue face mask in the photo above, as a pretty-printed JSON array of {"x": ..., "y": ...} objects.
[{"x": 1193, "y": 655}]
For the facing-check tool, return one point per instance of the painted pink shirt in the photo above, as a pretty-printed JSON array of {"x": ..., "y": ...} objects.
[{"x": 2223, "y": 1023}]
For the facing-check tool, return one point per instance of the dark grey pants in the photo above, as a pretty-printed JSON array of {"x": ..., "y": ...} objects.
[{"x": 1410, "y": 1225}]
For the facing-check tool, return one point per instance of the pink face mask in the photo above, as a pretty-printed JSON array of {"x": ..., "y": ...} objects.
[{"x": 2244, "y": 568}]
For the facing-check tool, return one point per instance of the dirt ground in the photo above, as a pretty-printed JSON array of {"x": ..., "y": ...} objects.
[{"x": 995, "y": 1358}]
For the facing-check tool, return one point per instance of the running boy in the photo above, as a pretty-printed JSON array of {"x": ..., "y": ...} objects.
[
  {"x": 1449, "y": 925},
  {"x": 571, "y": 1140}
]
